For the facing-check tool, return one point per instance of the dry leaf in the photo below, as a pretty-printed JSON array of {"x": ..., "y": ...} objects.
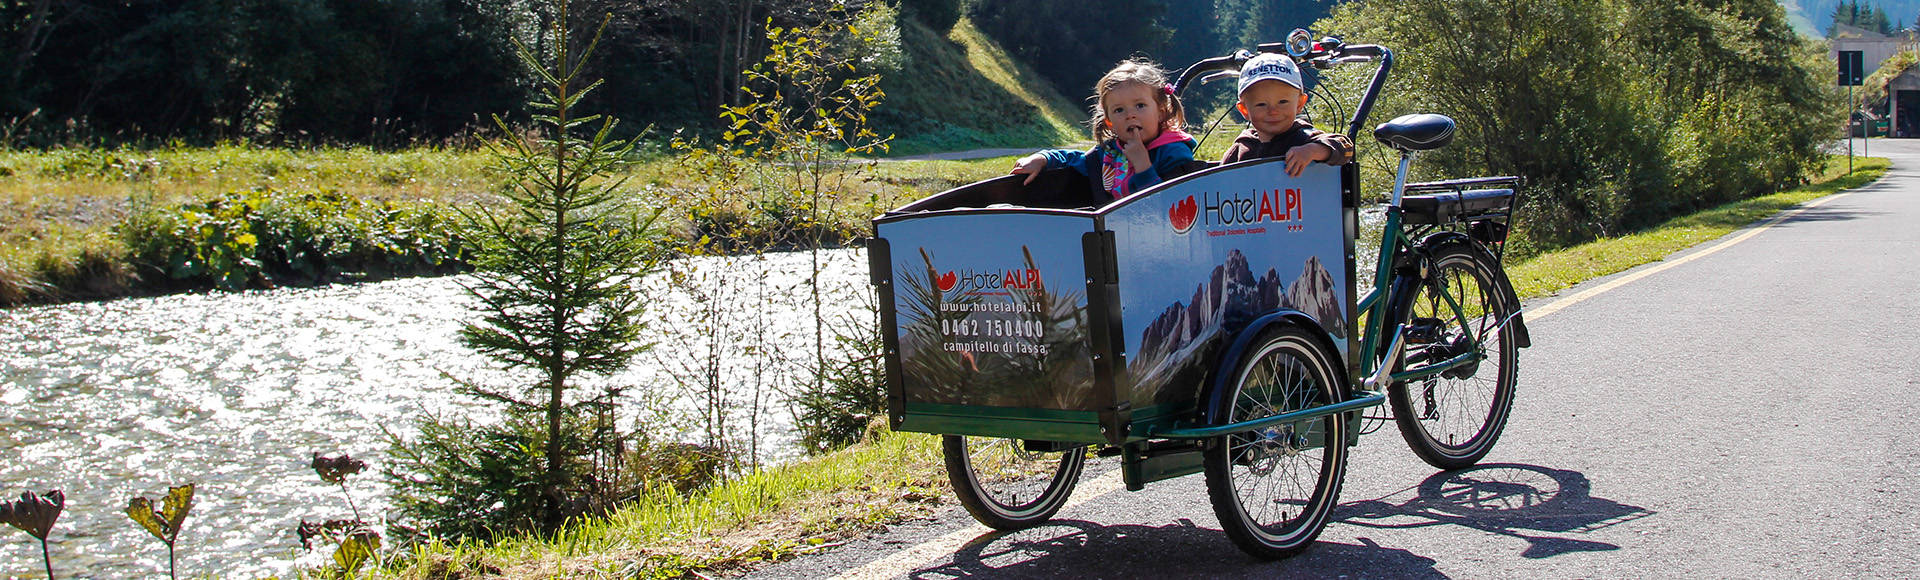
[
  {"x": 336, "y": 469},
  {"x": 34, "y": 513}
]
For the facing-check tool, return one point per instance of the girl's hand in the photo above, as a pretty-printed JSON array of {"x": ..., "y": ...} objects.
[
  {"x": 1299, "y": 157},
  {"x": 1031, "y": 166},
  {"x": 1135, "y": 148}
]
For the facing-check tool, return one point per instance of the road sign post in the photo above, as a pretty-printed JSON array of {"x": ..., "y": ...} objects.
[{"x": 1851, "y": 64}]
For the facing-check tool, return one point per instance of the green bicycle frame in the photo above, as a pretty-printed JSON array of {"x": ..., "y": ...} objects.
[{"x": 1375, "y": 304}]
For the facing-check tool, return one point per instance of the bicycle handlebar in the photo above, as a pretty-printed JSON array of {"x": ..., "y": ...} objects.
[
  {"x": 1230, "y": 62},
  {"x": 1326, "y": 54}
]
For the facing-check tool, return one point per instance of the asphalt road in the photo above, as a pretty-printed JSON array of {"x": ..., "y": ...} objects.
[{"x": 1750, "y": 412}]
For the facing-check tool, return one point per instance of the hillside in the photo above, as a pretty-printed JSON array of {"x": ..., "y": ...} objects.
[
  {"x": 961, "y": 91},
  {"x": 1813, "y": 17}
]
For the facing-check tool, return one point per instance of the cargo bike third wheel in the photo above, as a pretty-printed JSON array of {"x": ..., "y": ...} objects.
[
  {"x": 1274, "y": 488},
  {"x": 1010, "y": 484}
]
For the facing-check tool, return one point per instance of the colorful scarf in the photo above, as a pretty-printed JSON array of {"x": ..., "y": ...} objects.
[{"x": 1116, "y": 175}]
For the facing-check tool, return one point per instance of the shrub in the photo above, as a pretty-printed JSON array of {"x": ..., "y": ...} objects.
[
  {"x": 1727, "y": 102},
  {"x": 456, "y": 479},
  {"x": 266, "y": 237}
]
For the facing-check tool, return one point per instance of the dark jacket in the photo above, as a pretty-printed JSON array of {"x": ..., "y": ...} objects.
[{"x": 1248, "y": 144}]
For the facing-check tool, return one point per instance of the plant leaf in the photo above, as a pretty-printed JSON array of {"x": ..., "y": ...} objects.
[
  {"x": 336, "y": 469},
  {"x": 179, "y": 501},
  {"x": 34, "y": 513},
  {"x": 141, "y": 510},
  {"x": 356, "y": 549}
]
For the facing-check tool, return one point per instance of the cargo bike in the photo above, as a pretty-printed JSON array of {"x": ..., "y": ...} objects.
[{"x": 1208, "y": 324}]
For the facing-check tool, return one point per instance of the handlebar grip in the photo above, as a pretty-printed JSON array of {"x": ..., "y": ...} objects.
[
  {"x": 1231, "y": 62},
  {"x": 1366, "y": 50}
]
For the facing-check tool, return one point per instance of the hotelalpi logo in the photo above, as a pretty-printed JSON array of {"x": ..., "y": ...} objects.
[
  {"x": 1182, "y": 215},
  {"x": 989, "y": 280},
  {"x": 1218, "y": 209}
]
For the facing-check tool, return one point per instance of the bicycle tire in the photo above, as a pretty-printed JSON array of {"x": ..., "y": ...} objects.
[
  {"x": 1272, "y": 489},
  {"x": 1452, "y": 420},
  {"x": 1001, "y": 484}
]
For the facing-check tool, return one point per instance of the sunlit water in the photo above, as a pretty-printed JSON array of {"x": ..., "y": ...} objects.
[{"x": 233, "y": 392}]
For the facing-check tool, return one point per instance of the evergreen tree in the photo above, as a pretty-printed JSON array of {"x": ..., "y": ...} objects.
[{"x": 556, "y": 274}]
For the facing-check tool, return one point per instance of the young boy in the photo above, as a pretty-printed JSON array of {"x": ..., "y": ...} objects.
[{"x": 1271, "y": 98}]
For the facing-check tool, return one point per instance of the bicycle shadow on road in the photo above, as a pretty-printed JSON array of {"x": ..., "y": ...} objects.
[
  {"x": 1506, "y": 499},
  {"x": 1538, "y": 504},
  {"x": 1081, "y": 549}
]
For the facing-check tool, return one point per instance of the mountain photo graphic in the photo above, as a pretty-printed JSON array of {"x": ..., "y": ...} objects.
[{"x": 1186, "y": 339}]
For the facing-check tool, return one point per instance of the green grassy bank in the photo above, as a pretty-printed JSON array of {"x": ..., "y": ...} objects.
[
  {"x": 812, "y": 505},
  {"x": 81, "y": 224},
  {"x": 1549, "y": 273}
]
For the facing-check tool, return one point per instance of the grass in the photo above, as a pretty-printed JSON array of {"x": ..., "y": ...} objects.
[
  {"x": 59, "y": 208},
  {"x": 967, "y": 93},
  {"x": 1549, "y": 273},
  {"x": 769, "y": 515}
]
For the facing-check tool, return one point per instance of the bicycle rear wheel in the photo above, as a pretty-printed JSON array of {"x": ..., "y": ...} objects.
[
  {"x": 1452, "y": 419},
  {"x": 1005, "y": 485}
]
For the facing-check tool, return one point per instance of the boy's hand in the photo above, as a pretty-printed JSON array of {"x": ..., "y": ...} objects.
[
  {"x": 1299, "y": 157},
  {"x": 1031, "y": 166},
  {"x": 1135, "y": 149}
]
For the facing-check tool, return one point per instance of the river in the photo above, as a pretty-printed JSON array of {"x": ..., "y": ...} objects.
[{"x": 233, "y": 392}]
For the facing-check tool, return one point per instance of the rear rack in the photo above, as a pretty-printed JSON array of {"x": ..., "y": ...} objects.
[{"x": 1484, "y": 205}]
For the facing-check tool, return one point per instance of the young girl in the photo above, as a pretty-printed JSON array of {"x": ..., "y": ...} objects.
[{"x": 1137, "y": 121}]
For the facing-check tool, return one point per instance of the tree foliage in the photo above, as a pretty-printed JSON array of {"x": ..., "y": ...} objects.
[
  {"x": 335, "y": 69},
  {"x": 939, "y": 15},
  {"x": 557, "y": 276},
  {"x": 1714, "y": 100},
  {"x": 1866, "y": 16},
  {"x": 1207, "y": 29},
  {"x": 1073, "y": 43},
  {"x": 382, "y": 72}
]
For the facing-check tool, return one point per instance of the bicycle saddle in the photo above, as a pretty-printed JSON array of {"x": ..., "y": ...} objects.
[{"x": 1419, "y": 132}]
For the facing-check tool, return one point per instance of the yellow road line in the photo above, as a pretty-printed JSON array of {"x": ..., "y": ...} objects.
[
  {"x": 906, "y": 560},
  {"x": 1584, "y": 295}
]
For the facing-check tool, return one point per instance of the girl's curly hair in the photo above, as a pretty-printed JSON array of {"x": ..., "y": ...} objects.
[{"x": 1145, "y": 72}]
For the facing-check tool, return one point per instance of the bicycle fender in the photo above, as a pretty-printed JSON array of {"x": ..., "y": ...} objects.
[
  {"x": 1230, "y": 360},
  {"x": 1519, "y": 324}
]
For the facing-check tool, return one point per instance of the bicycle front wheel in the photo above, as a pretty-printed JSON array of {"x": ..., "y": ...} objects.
[
  {"x": 1274, "y": 488},
  {"x": 1005, "y": 485},
  {"x": 1452, "y": 419}
]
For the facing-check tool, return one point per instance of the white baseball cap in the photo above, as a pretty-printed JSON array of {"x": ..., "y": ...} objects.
[{"x": 1270, "y": 66}]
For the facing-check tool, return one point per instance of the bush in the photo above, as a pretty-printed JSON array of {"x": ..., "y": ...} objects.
[
  {"x": 459, "y": 480},
  {"x": 1726, "y": 102},
  {"x": 267, "y": 237},
  {"x": 836, "y": 411}
]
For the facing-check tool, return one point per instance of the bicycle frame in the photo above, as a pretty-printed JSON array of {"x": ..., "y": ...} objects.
[{"x": 1374, "y": 303}]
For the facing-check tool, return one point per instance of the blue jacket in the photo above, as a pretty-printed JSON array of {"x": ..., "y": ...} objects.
[{"x": 1169, "y": 152}]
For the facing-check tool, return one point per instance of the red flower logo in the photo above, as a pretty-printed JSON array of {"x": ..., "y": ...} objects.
[
  {"x": 1182, "y": 215},
  {"x": 946, "y": 282}
]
